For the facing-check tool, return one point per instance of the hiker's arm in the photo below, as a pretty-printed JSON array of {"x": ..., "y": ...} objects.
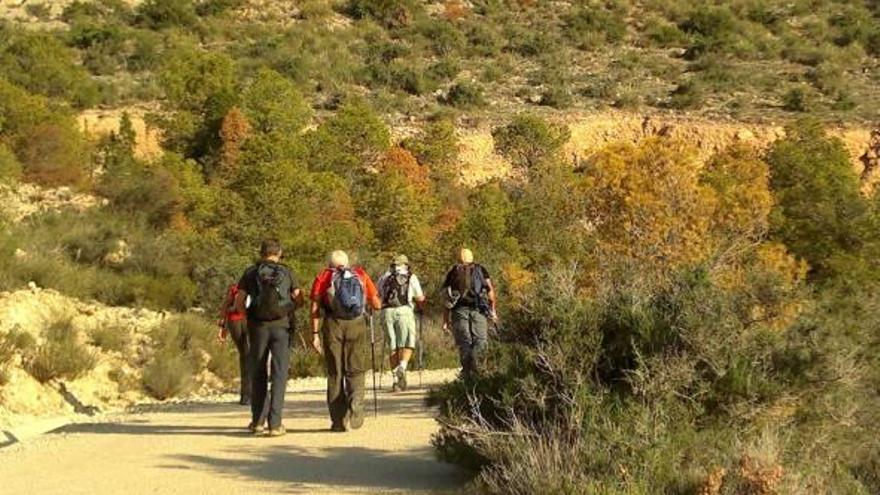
[
  {"x": 224, "y": 310},
  {"x": 445, "y": 319},
  {"x": 421, "y": 302},
  {"x": 240, "y": 299},
  {"x": 315, "y": 318},
  {"x": 492, "y": 299},
  {"x": 298, "y": 297}
]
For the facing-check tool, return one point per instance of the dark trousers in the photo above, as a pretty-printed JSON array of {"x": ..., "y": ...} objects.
[
  {"x": 470, "y": 328},
  {"x": 239, "y": 333},
  {"x": 266, "y": 340},
  {"x": 344, "y": 355}
]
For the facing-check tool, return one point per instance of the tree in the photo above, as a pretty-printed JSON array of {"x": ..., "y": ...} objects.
[
  {"x": 274, "y": 104},
  {"x": 645, "y": 202},
  {"x": 820, "y": 214},
  {"x": 529, "y": 141},
  {"x": 348, "y": 142},
  {"x": 234, "y": 130}
]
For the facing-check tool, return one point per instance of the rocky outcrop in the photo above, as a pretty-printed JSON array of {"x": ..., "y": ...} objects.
[{"x": 19, "y": 201}]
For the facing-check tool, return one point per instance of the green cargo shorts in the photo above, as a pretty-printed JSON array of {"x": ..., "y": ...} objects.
[{"x": 400, "y": 327}]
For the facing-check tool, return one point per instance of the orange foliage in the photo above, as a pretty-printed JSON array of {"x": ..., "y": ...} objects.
[
  {"x": 400, "y": 161},
  {"x": 234, "y": 129},
  {"x": 454, "y": 10},
  {"x": 645, "y": 203}
]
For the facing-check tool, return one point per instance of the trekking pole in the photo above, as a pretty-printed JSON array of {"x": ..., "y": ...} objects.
[
  {"x": 421, "y": 344},
  {"x": 373, "y": 367}
]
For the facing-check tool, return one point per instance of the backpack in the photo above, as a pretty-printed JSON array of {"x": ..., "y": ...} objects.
[
  {"x": 272, "y": 300},
  {"x": 395, "y": 289},
  {"x": 346, "y": 295},
  {"x": 470, "y": 285}
]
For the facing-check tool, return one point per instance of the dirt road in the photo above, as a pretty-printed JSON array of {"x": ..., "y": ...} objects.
[{"x": 202, "y": 448}]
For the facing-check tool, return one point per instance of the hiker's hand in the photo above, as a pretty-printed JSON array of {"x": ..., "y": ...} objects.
[
  {"x": 221, "y": 335},
  {"x": 445, "y": 327},
  {"x": 494, "y": 316},
  {"x": 316, "y": 343}
]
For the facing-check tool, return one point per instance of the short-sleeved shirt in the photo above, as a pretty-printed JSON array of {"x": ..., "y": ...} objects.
[
  {"x": 449, "y": 281},
  {"x": 251, "y": 286},
  {"x": 321, "y": 286},
  {"x": 414, "y": 291}
]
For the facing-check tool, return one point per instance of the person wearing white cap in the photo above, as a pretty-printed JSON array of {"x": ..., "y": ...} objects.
[
  {"x": 470, "y": 304},
  {"x": 400, "y": 292}
]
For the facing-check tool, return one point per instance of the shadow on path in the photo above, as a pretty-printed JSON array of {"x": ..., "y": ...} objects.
[{"x": 300, "y": 470}]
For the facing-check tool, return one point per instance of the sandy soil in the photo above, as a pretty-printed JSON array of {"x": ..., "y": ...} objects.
[{"x": 202, "y": 447}]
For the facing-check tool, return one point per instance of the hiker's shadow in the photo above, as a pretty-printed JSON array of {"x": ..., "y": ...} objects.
[
  {"x": 301, "y": 470},
  {"x": 148, "y": 429}
]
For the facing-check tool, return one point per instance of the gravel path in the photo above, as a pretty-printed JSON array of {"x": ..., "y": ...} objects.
[{"x": 196, "y": 448}]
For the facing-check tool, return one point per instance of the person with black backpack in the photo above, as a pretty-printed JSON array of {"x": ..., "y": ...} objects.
[
  {"x": 400, "y": 291},
  {"x": 342, "y": 295},
  {"x": 470, "y": 304},
  {"x": 268, "y": 293}
]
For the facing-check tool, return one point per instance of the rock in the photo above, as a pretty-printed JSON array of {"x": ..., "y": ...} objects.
[
  {"x": 33, "y": 286},
  {"x": 120, "y": 255},
  {"x": 20, "y": 254}
]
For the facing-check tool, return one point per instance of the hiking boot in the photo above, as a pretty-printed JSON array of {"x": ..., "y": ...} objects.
[
  {"x": 337, "y": 428},
  {"x": 256, "y": 429},
  {"x": 356, "y": 418},
  {"x": 401, "y": 380},
  {"x": 244, "y": 401},
  {"x": 395, "y": 387},
  {"x": 277, "y": 432}
]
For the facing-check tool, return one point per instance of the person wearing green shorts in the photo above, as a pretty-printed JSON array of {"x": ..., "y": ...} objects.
[{"x": 400, "y": 292}]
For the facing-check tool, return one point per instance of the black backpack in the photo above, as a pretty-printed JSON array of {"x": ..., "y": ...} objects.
[
  {"x": 272, "y": 300},
  {"x": 395, "y": 290},
  {"x": 469, "y": 283}
]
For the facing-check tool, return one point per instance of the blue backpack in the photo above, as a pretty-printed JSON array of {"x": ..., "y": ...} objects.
[{"x": 346, "y": 294}]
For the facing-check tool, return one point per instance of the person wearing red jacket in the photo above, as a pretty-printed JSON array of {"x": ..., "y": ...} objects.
[{"x": 341, "y": 295}]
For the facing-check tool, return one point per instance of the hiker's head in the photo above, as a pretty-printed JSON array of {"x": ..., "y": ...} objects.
[
  {"x": 466, "y": 256},
  {"x": 400, "y": 260},
  {"x": 338, "y": 259},
  {"x": 271, "y": 249}
]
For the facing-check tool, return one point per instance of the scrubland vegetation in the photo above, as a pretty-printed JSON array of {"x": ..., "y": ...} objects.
[{"x": 670, "y": 326}]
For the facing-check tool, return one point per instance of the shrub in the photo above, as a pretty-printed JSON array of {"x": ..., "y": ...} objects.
[
  {"x": 61, "y": 355},
  {"x": 168, "y": 374},
  {"x": 56, "y": 154},
  {"x": 162, "y": 14},
  {"x": 820, "y": 214},
  {"x": 389, "y": 13},
  {"x": 40, "y": 63},
  {"x": 595, "y": 26},
  {"x": 443, "y": 37},
  {"x": 10, "y": 168},
  {"x": 687, "y": 95},
  {"x": 465, "y": 95},
  {"x": 797, "y": 99},
  {"x": 273, "y": 104},
  {"x": 557, "y": 96},
  {"x": 435, "y": 145},
  {"x": 111, "y": 338},
  {"x": 354, "y": 137},
  {"x": 528, "y": 140}
]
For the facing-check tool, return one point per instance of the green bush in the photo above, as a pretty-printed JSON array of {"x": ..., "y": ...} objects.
[
  {"x": 168, "y": 374},
  {"x": 435, "y": 145},
  {"x": 595, "y": 26},
  {"x": 163, "y": 14},
  {"x": 528, "y": 140},
  {"x": 115, "y": 338},
  {"x": 465, "y": 95},
  {"x": 798, "y": 99},
  {"x": 40, "y": 63},
  {"x": 687, "y": 95},
  {"x": 61, "y": 356},
  {"x": 10, "y": 168},
  {"x": 557, "y": 96}
]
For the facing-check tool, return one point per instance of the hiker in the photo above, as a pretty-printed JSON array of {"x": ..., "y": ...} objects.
[
  {"x": 232, "y": 323},
  {"x": 274, "y": 293},
  {"x": 400, "y": 291},
  {"x": 469, "y": 306},
  {"x": 342, "y": 294}
]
